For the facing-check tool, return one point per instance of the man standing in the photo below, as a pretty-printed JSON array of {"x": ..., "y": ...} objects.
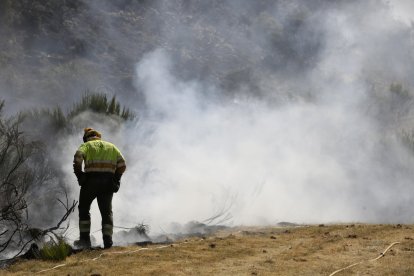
[{"x": 103, "y": 169}]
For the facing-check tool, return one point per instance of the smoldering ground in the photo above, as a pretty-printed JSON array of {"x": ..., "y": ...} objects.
[{"x": 260, "y": 111}]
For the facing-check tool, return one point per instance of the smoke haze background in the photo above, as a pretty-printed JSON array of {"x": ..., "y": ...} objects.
[
  {"x": 303, "y": 161},
  {"x": 263, "y": 160},
  {"x": 263, "y": 111}
]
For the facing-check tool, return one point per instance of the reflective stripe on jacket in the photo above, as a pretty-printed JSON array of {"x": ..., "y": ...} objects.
[{"x": 99, "y": 156}]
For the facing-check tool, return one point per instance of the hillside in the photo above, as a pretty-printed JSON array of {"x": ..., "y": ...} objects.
[
  {"x": 300, "y": 250},
  {"x": 57, "y": 50},
  {"x": 228, "y": 113}
]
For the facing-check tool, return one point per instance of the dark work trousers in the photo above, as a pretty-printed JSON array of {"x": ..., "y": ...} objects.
[{"x": 100, "y": 186}]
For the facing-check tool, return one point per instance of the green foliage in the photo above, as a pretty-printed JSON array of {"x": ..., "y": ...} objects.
[
  {"x": 55, "y": 120},
  {"x": 56, "y": 251},
  {"x": 58, "y": 117},
  {"x": 398, "y": 89},
  {"x": 55, "y": 117},
  {"x": 94, "y": 102},
  {"x": 99, "y": 103}
]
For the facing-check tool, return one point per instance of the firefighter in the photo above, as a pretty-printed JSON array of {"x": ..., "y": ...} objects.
[{"x": 100, "y": 179}]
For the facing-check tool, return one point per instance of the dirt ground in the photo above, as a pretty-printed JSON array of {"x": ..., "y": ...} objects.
[{"x": 293, "y": 250}]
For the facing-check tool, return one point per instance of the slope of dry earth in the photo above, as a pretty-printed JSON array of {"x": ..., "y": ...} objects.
[{"x": 300, "y": 250}]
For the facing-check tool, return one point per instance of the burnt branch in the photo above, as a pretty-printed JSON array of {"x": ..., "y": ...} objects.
[{"x": 45, "y": 232}]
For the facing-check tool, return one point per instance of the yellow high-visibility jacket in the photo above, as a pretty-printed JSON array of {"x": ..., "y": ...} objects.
[{"x": 99, "y": 156}]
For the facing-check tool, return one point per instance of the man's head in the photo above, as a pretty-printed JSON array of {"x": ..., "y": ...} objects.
[{"x": 90, "y": 133}]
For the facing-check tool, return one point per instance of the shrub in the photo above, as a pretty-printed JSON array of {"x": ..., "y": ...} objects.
[
  {"x": 16, "y": 176},
  {"x": 56, "y": 251},
  {"x": 99, "y": 103}
]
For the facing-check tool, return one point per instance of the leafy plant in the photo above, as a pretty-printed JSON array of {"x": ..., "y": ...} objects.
[
  {"x": 99, "y": 103},
  {"x": 53, "y": 120},
  {"x": 55, "y": 250}
]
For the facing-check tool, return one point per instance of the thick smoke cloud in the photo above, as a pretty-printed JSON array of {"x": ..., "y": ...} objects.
[
  {"x": 315, "y": 140},
  {"x": 329, "y": 152},
  {"x": 262, "y": 111},
  {"x": 194, "y": 157}
]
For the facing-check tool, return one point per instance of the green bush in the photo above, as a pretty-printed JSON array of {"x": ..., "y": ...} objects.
[
  {"x": 99, "y": 103},
  {"x": 56, "y": 251}
]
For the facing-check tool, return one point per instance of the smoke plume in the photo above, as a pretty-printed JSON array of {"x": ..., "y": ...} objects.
[
  {"x": 249, "y": 112},
  {"x": 192, "y": 157}
]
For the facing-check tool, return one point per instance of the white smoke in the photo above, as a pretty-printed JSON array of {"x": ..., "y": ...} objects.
[
  {"x": 194, "y": 154},
  {"x": 403, "y": 10},
  {"x": 192, "y": 157}
]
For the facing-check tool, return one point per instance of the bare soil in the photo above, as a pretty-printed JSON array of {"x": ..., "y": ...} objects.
[{"x": 292, "y": 250}]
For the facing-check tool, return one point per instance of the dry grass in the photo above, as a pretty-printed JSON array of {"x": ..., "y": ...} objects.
[{"x": 307, "y": 250}]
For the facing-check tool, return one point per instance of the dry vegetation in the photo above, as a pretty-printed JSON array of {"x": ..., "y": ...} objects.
[{"x": 304, "y": 250}]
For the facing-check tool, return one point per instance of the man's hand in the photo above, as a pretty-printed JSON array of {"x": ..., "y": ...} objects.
[
  {"x": 115, "y": 187},
  {"x": 116, "y": 182},
  {"x": 81, "y": 179}
]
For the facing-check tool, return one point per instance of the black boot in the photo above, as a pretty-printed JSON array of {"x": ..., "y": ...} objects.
[
  {"x": 107, "y": 241},
  {"x": 84, "y": 241}
]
